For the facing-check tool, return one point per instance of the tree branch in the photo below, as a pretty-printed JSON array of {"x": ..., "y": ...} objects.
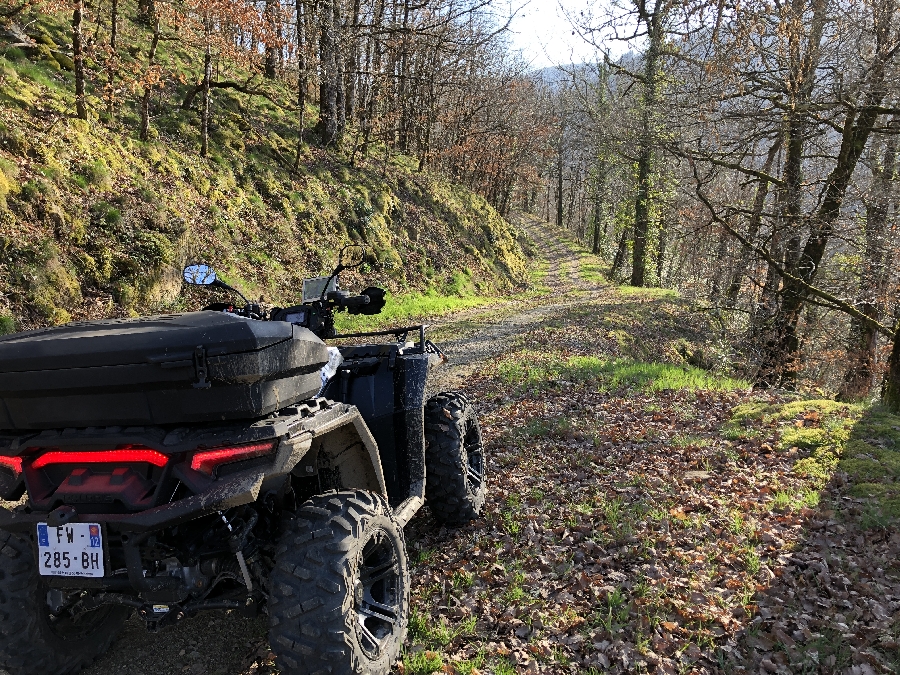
[{"x": 834, "y": 301}]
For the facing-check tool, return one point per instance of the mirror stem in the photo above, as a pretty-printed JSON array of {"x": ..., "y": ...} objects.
[{"x": 218, "y": 283}]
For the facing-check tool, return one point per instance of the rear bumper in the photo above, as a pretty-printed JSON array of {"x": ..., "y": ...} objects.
[
  {"x": 296, "y": 434},
  {"x": 237, "y": 490}
]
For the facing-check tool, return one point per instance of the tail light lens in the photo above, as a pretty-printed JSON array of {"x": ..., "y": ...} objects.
[
  {"x": 124, "y": 455},
  {"x": 14, "y": 464},
  {"x": 207, "y": 461}
]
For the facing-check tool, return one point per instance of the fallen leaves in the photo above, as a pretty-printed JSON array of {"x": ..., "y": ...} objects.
[{"x": 632, "y": 530}]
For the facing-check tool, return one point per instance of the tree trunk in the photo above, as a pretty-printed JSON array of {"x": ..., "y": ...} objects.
[
  {"x": 204, "y": 115},
  {"x": 148, "y": 90},
  {"x": 352, "y": 69},
  {"x": 890, "y": 388},
  {"x": 875, "y": 272},
  {"x": 645, "y": 154},
  {"x": 300, "y": 9},
  {"x": 273, "y": 46},
  {"x": 718, "y": 262},
  {"x": 331, "y": 83},
  {"x": 597, "y": 218},
  {"x": 759, "y": 202},
  {"x": 373, "y": 70},
  {"x": 781, "y": 356},
  {"x": 559, "y": 191},
  {"x": 114, "y": 24},
  {"x": 661, "y": 252},
  {"x": 621, "y": 253},
  {"x": 146, "y": 11},
  {"x": 78, "y": 59}
]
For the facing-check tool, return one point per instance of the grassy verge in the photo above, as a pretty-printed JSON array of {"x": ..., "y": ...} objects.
[
  {"x": 535, "y": 370},
  {"x": 592, "y": 269},
  {"x": 827, "y": 439},
  {"x": 411, "y": 307}
]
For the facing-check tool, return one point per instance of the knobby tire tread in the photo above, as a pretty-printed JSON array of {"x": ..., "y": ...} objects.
[
  {"x": 449, "y": 417},
  {"x": 27, "y": 645},
  {"x": 310, "y": 615}
]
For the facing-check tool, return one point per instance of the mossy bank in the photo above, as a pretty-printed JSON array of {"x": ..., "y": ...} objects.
[{"x": 96, "y": 223}]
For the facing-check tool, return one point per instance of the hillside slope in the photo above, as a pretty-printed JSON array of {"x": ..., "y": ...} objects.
[{"x": 95, "y": 223}]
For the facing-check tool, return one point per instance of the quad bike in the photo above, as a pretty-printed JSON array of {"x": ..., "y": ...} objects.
[{"x": 223, "y": 459}]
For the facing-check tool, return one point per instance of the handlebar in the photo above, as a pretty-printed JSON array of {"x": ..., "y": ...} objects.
[
  {"x": 343, "y": 299},
  {"x": 356, "y": 301}
]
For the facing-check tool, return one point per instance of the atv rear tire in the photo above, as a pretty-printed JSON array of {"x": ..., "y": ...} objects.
[
  {"x": 339, "y": 598},
  {"x": 32, "y": 640},
  {"x": 454, "y": 459}
]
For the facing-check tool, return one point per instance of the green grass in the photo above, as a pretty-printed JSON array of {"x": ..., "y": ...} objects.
[
  {"x": 410, "y": 307},
  {"x": 592, "y": 269},
  {"x": 647, "y": 293},
  {"x": 503, "y": 666},
  {"x": 422, "y": 663},
  {"x": 532, "y": 369},
  {"x": 436, "y": 635},
  {"x": 830, "y": 436}
]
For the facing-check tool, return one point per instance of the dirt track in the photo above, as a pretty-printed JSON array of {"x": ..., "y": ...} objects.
[{"x": 223, "y": 643}]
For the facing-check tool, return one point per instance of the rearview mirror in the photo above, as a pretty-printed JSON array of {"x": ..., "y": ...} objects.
[
  {"x": 199, "y": 275},
  {"x": 351, "y": 256}
]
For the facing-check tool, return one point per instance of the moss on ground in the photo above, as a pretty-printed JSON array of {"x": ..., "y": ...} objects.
[{"x": 830, "y": 437}]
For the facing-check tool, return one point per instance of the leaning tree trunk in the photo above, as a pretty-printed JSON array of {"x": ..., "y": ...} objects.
[
  {"x": 781, "y": 357},
  {"x": 621, "y": 253},
  {"x": 762, "y": 192},
  {"x": 78, "y": 59},
  {"x": 863, "y": 342},
  {"x": 890, "y": 388}
]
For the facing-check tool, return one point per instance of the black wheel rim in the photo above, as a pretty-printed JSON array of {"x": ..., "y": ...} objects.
[
  {"x": 474, "y": 460},
  {"x": 378, "y": 593}
]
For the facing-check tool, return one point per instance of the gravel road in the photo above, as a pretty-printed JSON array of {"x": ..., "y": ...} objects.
[{"x": 223, "y": 643}]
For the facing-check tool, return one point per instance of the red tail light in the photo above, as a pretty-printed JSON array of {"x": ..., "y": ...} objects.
[
  {"x": 14, "y": 464},
  {"x": 118, "y": 456},
  {"x": 206, "y": 462}
]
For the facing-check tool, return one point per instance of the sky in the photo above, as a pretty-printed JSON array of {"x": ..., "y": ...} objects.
[{"x": 543, "y": 34}]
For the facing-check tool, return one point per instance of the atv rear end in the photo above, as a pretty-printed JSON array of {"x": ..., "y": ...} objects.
[{"x": 198, "y": 462}]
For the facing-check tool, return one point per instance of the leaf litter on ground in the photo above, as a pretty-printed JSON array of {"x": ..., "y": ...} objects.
[{"x": 633, "y": 526}]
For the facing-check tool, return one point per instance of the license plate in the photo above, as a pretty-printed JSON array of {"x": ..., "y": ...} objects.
[{"x": 72, "y": 550}]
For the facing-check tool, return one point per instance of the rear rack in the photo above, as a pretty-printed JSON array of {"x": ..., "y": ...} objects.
[
  {"x": 400, "y": 333},
  {"x": 425, "y": 346}
]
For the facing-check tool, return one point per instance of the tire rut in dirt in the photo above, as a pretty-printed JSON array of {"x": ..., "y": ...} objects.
[
  {"x": 454, "y": 459},
  {"x": 340, "y": 588},
  {"x": 32, "y": 640}
]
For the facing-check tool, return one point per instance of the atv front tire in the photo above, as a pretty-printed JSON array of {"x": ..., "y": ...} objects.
[
  {"x": 339, "y": 599},
  {"x": 34, "y": 641},
  {"x": 454, "y": 459}
]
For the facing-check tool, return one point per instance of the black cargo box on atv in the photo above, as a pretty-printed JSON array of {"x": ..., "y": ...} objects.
[{"x": 177, "y": 368}]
